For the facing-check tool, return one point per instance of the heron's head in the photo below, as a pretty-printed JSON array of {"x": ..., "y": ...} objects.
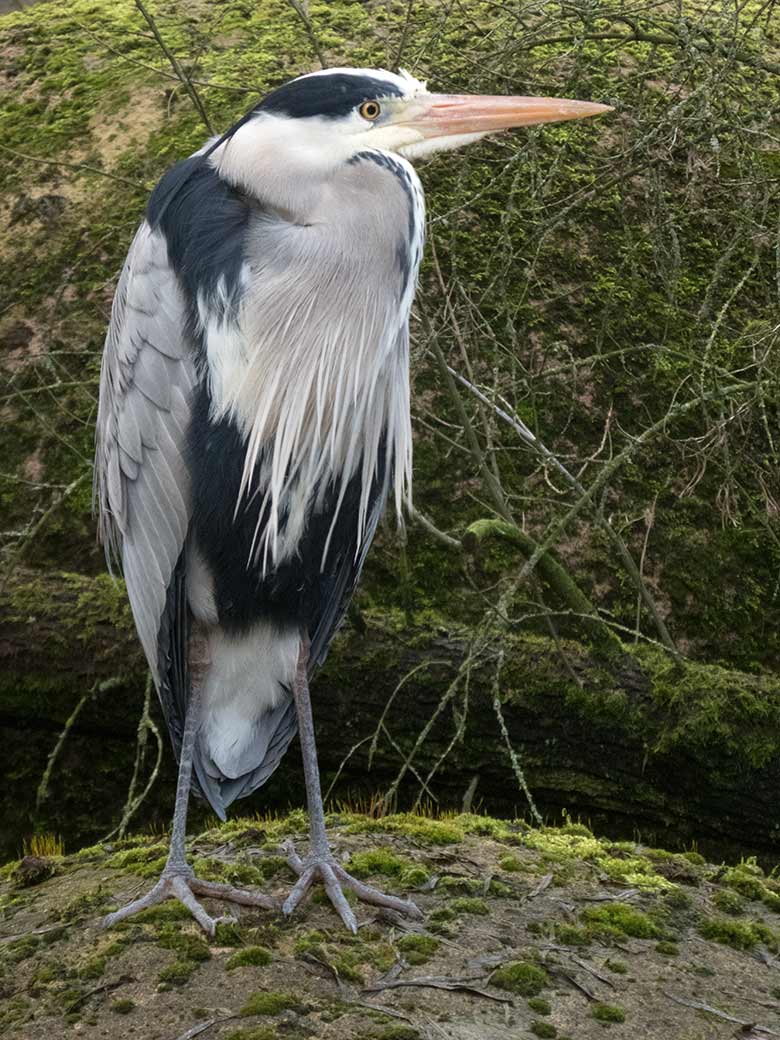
[{"x": 315, "y": 123}]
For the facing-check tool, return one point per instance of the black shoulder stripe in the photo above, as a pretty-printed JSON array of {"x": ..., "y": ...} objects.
[{"x": 204, "y": 220}]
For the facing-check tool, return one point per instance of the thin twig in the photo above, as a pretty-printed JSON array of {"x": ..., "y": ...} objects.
[
  {"x": 516, "y": 767},
  {"x": 301, "y": 8},
  {"x": 699, "y": 1005},
  {"x": 427, "y": 525},
  {"x": 133, "y": 802},
  {"x": 39, "y": 524},
  {"x": 556, "y": 528},
  {"x": 99, "y": 687},
  {"x": 539, "y": 448},
  {"x": 189, "y": 86}
]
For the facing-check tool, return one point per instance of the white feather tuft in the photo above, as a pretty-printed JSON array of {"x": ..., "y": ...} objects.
[{"x": 247, "y": 677}]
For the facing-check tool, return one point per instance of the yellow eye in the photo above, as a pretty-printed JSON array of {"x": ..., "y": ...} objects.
[{"x": 370, "y": 110}]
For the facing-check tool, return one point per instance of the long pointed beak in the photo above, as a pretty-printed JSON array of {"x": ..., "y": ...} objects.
[{"x": 444, "y": 115}]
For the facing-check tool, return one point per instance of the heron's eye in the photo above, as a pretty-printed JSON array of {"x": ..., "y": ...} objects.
[{"x": 370, "y": 110}]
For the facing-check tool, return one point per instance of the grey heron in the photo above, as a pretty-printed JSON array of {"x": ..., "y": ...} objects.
[{"x": 254, "y": 419}]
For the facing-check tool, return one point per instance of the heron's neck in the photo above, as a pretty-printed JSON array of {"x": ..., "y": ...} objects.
[{"x": 285, "y": 170}]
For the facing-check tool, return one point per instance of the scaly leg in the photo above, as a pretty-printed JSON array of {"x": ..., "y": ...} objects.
[
  {"x": 178, "y": 880},
  {"x": 320, "y": 862}
]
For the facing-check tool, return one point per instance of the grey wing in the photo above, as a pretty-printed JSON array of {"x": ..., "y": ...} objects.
[{"x": 142, "y": 484}]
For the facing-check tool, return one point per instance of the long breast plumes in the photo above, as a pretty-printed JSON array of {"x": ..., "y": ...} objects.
[{"x": 315, "y": 371}]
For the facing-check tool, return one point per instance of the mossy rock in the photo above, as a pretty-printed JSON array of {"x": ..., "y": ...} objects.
[
  {"x": 249, "y": 956},
  {"x": 527, "y": 980},
  {"x": 269, "y": 1003}
]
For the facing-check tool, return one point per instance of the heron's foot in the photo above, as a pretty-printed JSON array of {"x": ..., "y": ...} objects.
[
  {"x": 323, "y": 866},
  {"x": 182, "y": 884}
]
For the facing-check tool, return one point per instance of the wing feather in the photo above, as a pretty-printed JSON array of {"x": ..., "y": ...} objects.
[{"x": 142, "y": 483}]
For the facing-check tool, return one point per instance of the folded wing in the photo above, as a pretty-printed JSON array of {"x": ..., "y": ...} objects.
[{"x": 142, "y": 483}]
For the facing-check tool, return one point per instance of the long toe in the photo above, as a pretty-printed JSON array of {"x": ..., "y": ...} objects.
[
  {"x": 215, "y": 890},
  {"x": 185, "y": 887},
  {"x": 335, "y": 879},
  {"x": 152, "y": 897},
  {"x": 374, "y": 896}
]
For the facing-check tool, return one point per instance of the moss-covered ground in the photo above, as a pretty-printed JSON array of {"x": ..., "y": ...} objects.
[{"x": 574, "y": 933}]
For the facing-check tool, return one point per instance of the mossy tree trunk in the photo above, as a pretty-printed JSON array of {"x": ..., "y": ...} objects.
[{"x": 636, "y": 744}]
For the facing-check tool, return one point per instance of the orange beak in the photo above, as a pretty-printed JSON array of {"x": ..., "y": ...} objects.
[{"x": 445, "y": 115}]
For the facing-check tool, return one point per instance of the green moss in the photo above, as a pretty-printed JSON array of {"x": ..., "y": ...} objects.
[
  {"x": 346, "y": 966},
  {"x": 89, "y": 854},
  {"x": 570, "y": 935},
  {"x": 443, "y": 913},
  {"x": 677, "y": 899},
  {"x": 228, "y": 934},
  {"x": 694, "y": 857},
  {"x": 414, "y": 877},
  {"x": 122, "y": 1007},
  {"x": 607, "y": 1013},
  {"x": 578, "y": 829},
  {"x": 309, "y": 942},
  {"x": 668, "y": 949},
  {"x": 500, "y": 890},
  {"x": 747, "y": 879},
  {"x": 459, "y": 883},
  {"x": 257, "y": 956},
  {"x": 729, "y": 902},
  {"x": 255, "y": 1033},
  {"x": 740, "y": 935},
  {"x": 417, "y": 949},
  {"x": 46, "y": 973},
  {"x": 20, "y": 949},
  {"x": 178, "y": 973},
  {"x": 187, "y": 945},
  {"x": 381, "y": 862},
  {"x": 567, "y": 846},
  {"x": 511, "y": 863},
  {"x": 268, "y": 1003},
  {"x": 14, "y": 1011},
  {"x": 170, "y": 910},
  {"x": 619, "y": 967},
  {"x": 210, "y": 869},
  {"x": 466, "y": 905},
  {"x": 540, "y": 1005},
  {"x": 488, "y": 826},
  {"x": 272, "y": 866},
  {"x": 93, "y": 968},
  {"x": 117, "y": 947},
  {"x": 543, "y": 1029},
  {"x": 421, "y": 828},
  {"x": 527, "y": 980},
  {"x": 69, "y": 997},
  {"x": 85, "y": 905},
  {"x": 619, "y": 919},
  {"x": 146, "y": 861}
]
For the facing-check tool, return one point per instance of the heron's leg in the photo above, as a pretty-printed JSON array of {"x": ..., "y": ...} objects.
[
  {"x": 320, "y": 863},
  {"x": 178, "y": 880},
  {"x": 177, "y": 853}
]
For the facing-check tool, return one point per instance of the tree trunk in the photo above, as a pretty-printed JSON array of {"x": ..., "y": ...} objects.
[{"x": 638, "y": 746}]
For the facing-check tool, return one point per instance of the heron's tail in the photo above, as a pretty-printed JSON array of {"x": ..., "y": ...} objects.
[{"x": 248, "y": 712}]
